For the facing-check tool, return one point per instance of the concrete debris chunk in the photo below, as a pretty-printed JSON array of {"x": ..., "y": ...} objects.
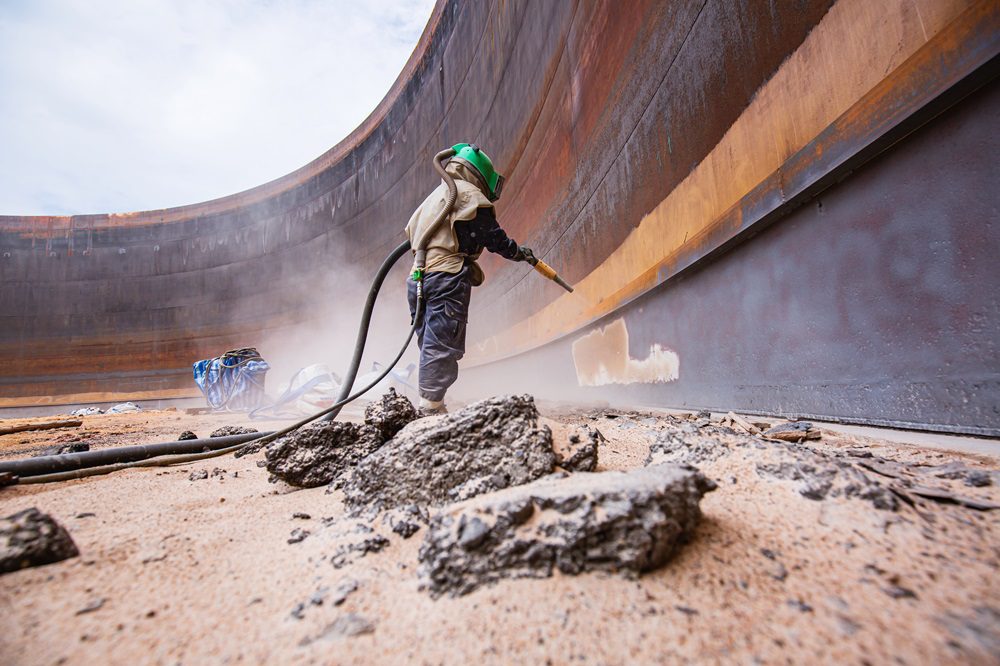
[
  {"x": 796, "y": 431},
  {"x": 580, "y": 453},
  {"x": 226, "y": 431},
  {"x": 390, "y": 413},
  {"x": 314, "y": 455},
  {"x": 627, "y": 522},
  {"x": 343, "y": 590},
  {"x": 821, "y": 476},
  {"x": 738, "y": 421},
  {"x": 687, "y": 444},
  {"x": 405, "y": 521},
  {"x": 978, "y": 478},
  {"x": 298, "y": 535},
  {"x": 349, "y": 552},
  {"x": 487, "y": 446},
  {"x": 62, "y": 449},
  {"x": 345, "y": 626},
  {"x": 31, "y": 538},
  {"x": 91, "y": 606},
  {"x": 947, "y": 497}
]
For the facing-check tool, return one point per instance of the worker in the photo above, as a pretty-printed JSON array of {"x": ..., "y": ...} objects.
[{"x": 451, "y": 270}]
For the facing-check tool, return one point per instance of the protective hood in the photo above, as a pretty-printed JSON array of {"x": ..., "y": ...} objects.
[{"x": 461, "y": 171}]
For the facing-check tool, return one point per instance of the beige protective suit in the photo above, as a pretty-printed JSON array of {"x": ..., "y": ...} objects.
[{"x": 442, "y": 249}]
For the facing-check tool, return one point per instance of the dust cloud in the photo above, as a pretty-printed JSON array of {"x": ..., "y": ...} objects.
[{"x": 323, "y": 320}]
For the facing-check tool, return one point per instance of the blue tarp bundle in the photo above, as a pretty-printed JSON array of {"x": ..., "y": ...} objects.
[{"x": 233, "y": 381}]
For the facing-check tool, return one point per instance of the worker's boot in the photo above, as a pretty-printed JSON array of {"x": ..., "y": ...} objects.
[{"x": 431, "y": 408}]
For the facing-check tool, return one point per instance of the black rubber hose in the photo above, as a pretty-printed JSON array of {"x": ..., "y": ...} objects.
[
  {"x": 124, "y": 454},
  {"x": 366, "y": 319},
  {"x": 420, "y": 244}
]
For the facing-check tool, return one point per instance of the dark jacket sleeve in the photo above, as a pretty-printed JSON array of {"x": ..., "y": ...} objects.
[{"x": 484, "y": 231}]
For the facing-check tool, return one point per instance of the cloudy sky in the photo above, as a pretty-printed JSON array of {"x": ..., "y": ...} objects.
[{"x": 119, "y": 105}]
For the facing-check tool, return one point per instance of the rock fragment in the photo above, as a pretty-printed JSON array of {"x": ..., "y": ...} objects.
[
  {"x": 186, "y": 435},
  {"x": 198, "y": 475},
  {"x": 627, "y": 522},
  {"x": 978, "y": 478},
  {"x": 31, "y": 538},
  {"x": 389, "y": 414},
  {"x": 298, "y": 535},
  {"x": 314, "y": 455},
  {"x": 318, "y": 453},
  {"x": 344, "y": 626},
  {"x": 405, "y": 528},
  {"x": 319, "y": 596},
  {"x": 226, "y": 431},
  {"x": 349, "y": 552},
  {"x": 350, "y": 625},
  {"x": 686, "y": 444},
  {"x": 580, "y": 454},
  {"x": 795, "y": 431},
  {"x": 406, "y": 520},
  {"x": 91, "y": 606},
  {"x": 899, "y": 592},
  {"x": 343, "y": 590},
  {"x": 62, "y": 449},
  {"x": 800, "y": 605},
  {"x": 821, "y": 476},
  {"x": 487, "y": 446}
]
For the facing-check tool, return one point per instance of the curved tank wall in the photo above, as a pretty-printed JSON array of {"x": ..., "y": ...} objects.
[{"x": 781, "y": 209}]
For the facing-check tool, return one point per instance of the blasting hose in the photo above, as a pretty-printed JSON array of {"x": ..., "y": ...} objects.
[
  {"x": 420, "y": 246},
  {"x": 92, "y": 463},
  {"x": 420, "y": 258}
]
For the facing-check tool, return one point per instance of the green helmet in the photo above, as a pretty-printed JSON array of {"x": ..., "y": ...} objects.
[{"x": 472, "y": 155}]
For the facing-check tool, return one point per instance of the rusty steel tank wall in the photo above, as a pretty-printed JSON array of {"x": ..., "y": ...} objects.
[
  {"x": 643, "y": 142},
  {"x": 846, "y": 302}
]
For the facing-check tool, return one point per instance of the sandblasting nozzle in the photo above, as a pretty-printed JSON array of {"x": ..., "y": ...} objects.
[{"x": 551, "y": 274}]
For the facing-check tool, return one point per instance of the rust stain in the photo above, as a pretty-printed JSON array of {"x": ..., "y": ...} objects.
[{"x": 788, "y": 112}]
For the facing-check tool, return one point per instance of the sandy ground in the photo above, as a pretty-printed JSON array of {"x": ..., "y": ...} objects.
[{"x": 181, "y": 571}]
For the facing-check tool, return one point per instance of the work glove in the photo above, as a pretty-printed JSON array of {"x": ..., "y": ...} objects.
[{"x": 525, "y": 254}]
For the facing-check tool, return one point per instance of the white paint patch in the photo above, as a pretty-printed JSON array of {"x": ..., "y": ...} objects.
[{"x": 601, "y": 358}]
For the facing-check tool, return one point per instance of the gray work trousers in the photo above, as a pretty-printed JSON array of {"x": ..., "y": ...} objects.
[{"x": 441, "y": 333}]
